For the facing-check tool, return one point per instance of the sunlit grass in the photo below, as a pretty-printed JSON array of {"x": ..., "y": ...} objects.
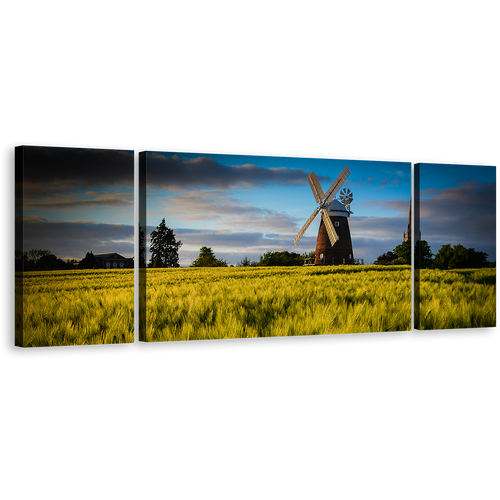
[
  {"x": 96, "y": 306},
  {"x": 460, "y": 298},
  {"x": 215, "y": 303},
  {"x": 78, "y": 307}
]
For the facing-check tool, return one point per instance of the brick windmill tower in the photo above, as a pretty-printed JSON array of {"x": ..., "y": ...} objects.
[{"x": 334, "y": 245}]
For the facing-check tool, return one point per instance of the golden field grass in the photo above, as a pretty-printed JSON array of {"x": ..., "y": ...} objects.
[{"x": 97, "y": 306}]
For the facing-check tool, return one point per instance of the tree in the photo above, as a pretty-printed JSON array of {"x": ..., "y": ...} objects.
[
  {"x": 207, "y": 258},
  {"x": 19, "y": 259},
  {"x": 478, "y": 259},
  {"x": 31, "y": 257},
  {"x": 140, "y": 247},
  {"x": 309, "y": 255},
  {"x": 50, "y": 263},
  {"x": 425, "y": 254},
  {"x": 281, "y": 259},
  {"x": 459, "y": 257},
  {"x": 443, "y": 257},
  {"x": 246, "y": 262},
  {"x": 405, "y": 252},
  {"x": 164, "y": 247},
  {"x": 88, "y": 262},
  {"x": 386, "y": 259}
]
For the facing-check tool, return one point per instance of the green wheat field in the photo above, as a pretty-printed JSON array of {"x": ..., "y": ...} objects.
[{"x": 97, "y": 306}]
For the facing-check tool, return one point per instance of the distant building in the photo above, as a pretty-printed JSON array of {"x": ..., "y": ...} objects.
[
  {"x": 113, "y": 261},
  {"x": 407, "y": 235}
]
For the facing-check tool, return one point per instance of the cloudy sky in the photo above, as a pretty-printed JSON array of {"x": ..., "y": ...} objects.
[{"x": 77, "y": 200}]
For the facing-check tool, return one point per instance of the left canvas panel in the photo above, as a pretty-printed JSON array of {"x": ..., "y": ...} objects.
[{"x": 74, "y": 246}]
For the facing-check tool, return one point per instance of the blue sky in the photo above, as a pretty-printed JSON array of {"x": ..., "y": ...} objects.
[
  {"x": 247, "y": 205},
  {"x": 77, "y": 200}
]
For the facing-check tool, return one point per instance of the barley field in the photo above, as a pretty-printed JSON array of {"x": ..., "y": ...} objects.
[
  {"x": 459, "y": 298},
  {"x": 216, "y": 303},
  {"x": 96, "y": 306},
  {"x": 76, "y": 307}
]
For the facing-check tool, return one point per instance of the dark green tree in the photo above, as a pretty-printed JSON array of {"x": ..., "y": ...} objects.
[
  {"x": 50, "y": 263},
  {"x": 404, "y": 252},
  {"x": 281, "y": 259},
  {"x": 443, "y": 257},
  {"x": 31, "y": 257},
  {"x": 88, "y": 262},
  {"x": 464, "y": 258},
  {"x": 19, "y": 260},
  {"x": 70, "y": 263},
  {"x": 207, "y": 258},
  {"x": 164, "y": 247},
  {"x": 142, "y": 248},
  {"x": 309, "y": 255},
  {"x": 425, "y": 254},
  {"x": 246, "y": 262},
  {"x": 459, "y": 257},
  {"x": 478, "y": 259},
  {"x": 386, "y": 259}
]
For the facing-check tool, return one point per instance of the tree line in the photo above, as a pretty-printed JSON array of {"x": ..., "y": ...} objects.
[
  {"x": 38, "y": 259},
  {"x": 447, "y": 257},
  {"x": 207, "y": 258},
  {"x": 164, "y": 249}
]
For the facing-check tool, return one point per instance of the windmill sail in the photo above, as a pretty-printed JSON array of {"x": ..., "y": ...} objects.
[
  {"x": 316, "y": 188},
  {"x": 337, "y": 184},
  {"x": 305, "y": 226},
  {"x": 323, "y": 199},
  {"x": 330, "y": 230}
]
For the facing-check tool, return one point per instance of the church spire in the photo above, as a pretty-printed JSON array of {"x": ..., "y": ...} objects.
[{"x": 407, "y": 235}]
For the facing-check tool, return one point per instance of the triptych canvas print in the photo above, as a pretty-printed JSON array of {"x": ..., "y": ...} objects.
[{"x": 234, "y": 246}]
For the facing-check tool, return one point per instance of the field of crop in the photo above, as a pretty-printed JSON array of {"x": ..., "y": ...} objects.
[
  {"x": 77, "y": 307},
  {"x": 215, "y": 303},
  {"x": 97, "y": 306},
  {"x": 459, "y": 298}
]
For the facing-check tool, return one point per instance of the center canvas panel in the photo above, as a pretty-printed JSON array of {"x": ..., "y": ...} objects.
[{"x": 236, "y": 246}]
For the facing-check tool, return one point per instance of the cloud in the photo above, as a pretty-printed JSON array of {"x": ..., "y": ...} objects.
[
  {"x": 233, "y": 245},
  {"x": 464, "y": 214},
  {"x": 54, "y": 170},
  {"x": 361, "y": 181},
  {"x": 369, "y": 249},
  {"x": 227, "y": 211},
  {"x": 401, "y": 205},
  {"x": 74, "y": 239},
  {"x": 171, "y": 172},
  {"x": 227, "y": 238},
  {"x": 379, "y": 227},
  {"x": 107, "y": 200},
  {"x": 34, "y": 218}
]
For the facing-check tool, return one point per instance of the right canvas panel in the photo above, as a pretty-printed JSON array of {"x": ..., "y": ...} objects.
[{"x": 455, "y": 251}]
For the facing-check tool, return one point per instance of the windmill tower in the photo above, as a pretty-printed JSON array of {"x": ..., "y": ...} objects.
[{"x": 334, "y": 245}]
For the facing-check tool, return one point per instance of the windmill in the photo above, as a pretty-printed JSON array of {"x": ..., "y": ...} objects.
[{"x": 334, "y": 245}]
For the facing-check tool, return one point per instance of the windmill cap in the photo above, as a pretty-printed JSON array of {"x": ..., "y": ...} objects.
[{"x": 336, "y": 208}]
